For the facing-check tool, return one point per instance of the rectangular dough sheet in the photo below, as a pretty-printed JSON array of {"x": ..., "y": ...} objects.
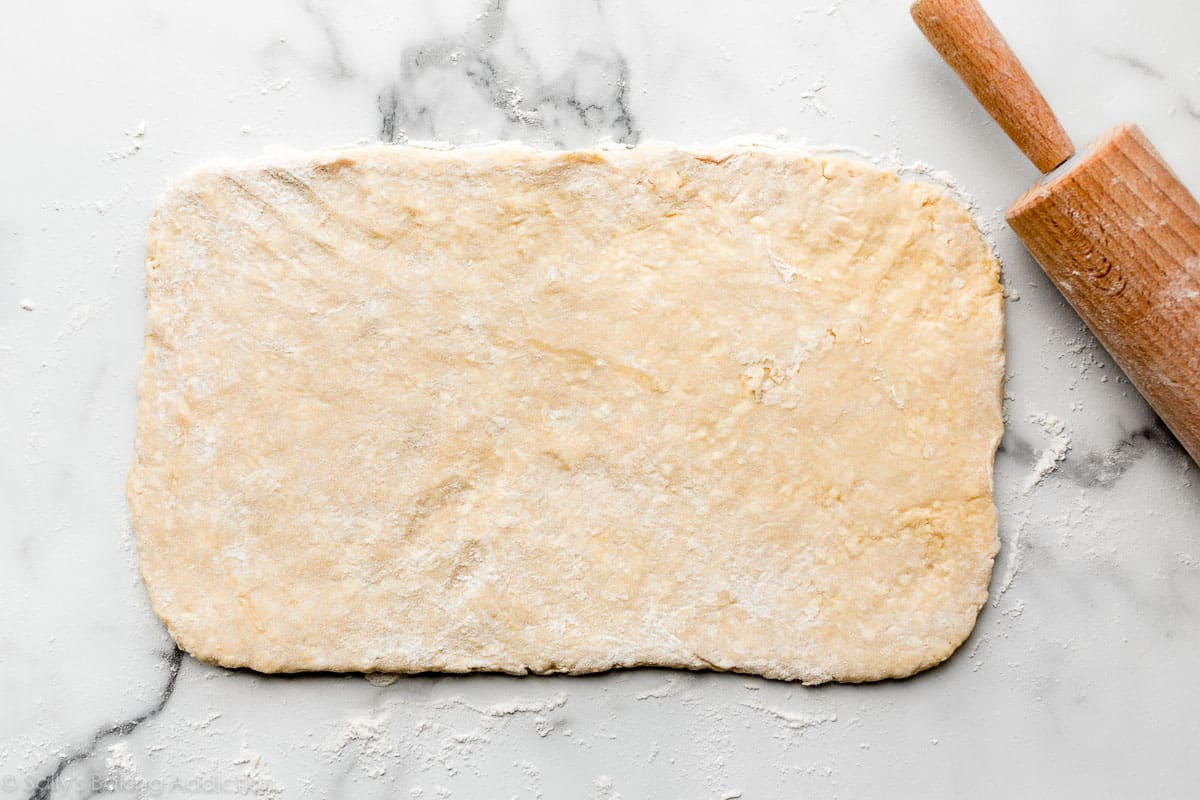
[{"x": 499, "y": 409}]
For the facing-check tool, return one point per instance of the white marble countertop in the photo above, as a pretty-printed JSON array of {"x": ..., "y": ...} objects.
[{"x": 1078, "y": 681}]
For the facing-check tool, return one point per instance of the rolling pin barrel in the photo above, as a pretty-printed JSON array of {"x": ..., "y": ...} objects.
[
  {"x": 1115, "y": 229},
  {"x": 1119, "y": 235}
]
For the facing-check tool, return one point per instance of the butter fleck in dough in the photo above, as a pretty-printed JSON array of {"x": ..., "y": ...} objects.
[{"x": 499, "y": 409}]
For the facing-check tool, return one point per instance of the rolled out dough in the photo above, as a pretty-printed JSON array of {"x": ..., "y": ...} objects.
[{"x": 498, "y": 409}]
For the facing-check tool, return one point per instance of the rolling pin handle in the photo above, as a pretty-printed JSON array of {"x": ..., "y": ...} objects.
[{"x": 967, "y": 39}]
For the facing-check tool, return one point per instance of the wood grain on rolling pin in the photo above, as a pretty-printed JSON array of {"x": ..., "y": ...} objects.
[{"x": 1120, "y": 237}]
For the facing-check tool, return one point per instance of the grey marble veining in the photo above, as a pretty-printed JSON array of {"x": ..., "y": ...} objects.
[
  {"x": 1078, "y": 681},
  {"x": 47, "y": 785},
  {"x": 446, "y": 82}
]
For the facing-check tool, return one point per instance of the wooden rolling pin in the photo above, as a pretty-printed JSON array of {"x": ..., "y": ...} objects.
[{"x": 1113, "y": 227}]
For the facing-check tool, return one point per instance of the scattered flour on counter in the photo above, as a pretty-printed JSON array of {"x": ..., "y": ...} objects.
[
  {"x": 1014, "y": 559},
  {"x": 259, "y": 782},
  {"x": 531, "y": 771},
  {"x": 201, "y": 724},
  {"x": 543, "y": 727},
  {"x": 78, "y": 318},
  {"x": 375, "y": 741},
  {"x": 666, "y": 690},
  {"x": 603, "y": 789},
  {"x": 133, "y": 144},
  {"x": 795, "y": 720},
  {"x": 366, "y": 737},
  {"x": 101, "y": 206},
  {"x": 118, "y": 764},
  {"x": 809, "y": 98},
  {"x": 1016, "y": 611},
  {"x": 828, "y": 11},
  {"x": 1054, "y": 453}
]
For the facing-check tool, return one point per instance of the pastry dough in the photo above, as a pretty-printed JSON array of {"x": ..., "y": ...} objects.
[{"x": 498, "y": 409}]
